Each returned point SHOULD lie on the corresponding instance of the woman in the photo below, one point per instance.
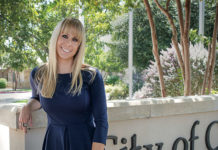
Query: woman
(71, 93)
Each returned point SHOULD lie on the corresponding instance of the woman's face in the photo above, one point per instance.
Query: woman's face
(67, 45)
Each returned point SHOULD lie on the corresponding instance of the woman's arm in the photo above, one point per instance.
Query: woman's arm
(33, 104)
(26, 113)
(99, 110)
(25, 116)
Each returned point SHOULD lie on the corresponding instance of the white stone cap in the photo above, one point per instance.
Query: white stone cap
(125, 109)
(160, 107)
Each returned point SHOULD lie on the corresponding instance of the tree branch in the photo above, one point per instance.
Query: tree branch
(160, 7)
(181, 23)
(167, 5)
(207, 70)
(187, 17)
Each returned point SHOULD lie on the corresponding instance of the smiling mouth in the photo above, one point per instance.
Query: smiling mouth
(66, 50)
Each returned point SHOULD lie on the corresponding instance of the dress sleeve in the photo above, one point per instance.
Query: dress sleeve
(99, 109)
(33, 85)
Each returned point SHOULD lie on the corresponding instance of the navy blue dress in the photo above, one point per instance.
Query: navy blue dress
(74, 122)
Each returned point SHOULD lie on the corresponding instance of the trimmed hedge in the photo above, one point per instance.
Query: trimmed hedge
(3, 83)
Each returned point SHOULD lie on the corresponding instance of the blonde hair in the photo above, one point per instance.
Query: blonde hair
(46, 75)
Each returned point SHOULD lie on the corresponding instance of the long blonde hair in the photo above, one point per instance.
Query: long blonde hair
(46, 75)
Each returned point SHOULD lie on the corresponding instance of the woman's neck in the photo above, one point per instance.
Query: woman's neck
(64, 66)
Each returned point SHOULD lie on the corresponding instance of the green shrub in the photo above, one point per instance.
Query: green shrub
(3, 83)
(112, 80)
(119, 91)
(214, 92)
(172, 74)
(108, 88)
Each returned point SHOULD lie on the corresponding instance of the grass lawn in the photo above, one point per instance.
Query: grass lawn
(27, 90)
(21, 101)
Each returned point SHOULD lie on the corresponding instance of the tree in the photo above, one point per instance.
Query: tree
(155, 48)
(17, 60)
(185, 56)
(211, 57)
(98, 15)
(184, 31)
(141, 31)
(142, 43)
(15, 53)
(174, 37)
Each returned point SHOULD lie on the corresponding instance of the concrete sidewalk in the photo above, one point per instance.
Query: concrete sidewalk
(12, 97)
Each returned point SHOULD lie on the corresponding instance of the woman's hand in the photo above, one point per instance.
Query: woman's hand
(97, 146)
(25, 118)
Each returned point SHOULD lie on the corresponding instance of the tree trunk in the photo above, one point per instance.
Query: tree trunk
(213, 52)
(184, 29)
(206, 70)
(187, 88)
(13, 80)
(16, 80)
(181, 24)
(14, 83)
(155, 47)
(174, 37)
